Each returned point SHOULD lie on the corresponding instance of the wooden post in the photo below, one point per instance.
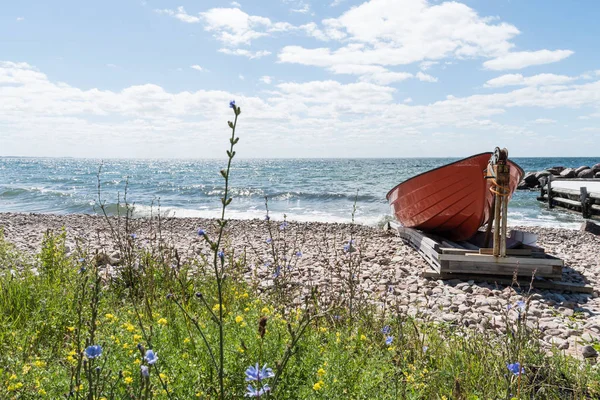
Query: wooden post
(585, 203)
(550, 205)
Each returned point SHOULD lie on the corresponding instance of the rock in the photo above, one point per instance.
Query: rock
(568, 173)
(554, 171)
(542, 174)
(586, 173)
(578, 170)
(588, 352)
(596, 167)
(597, 175)
(559, 169)
(591, 227)
(530, 179)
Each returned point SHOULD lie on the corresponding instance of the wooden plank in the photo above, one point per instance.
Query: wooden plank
(474, 268)
(574, 193)
(537, 282)
(452, 250)
(509, 252)
(485, 259)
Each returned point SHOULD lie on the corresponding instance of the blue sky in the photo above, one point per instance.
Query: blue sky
(332, 78)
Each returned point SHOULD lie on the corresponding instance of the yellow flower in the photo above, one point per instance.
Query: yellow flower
(110, 317)
(137, 338)
(246, 309)
(125, 346)
(239, 319)
(42, 392)
(363, 337)
(128, 380)
(321, 372)
(216, 308)
(26, 369)
(245, 295)
(240, 349)
(186, 340)
(265, 310)
(163, 377)
(199, 394)
(70, 328)
(129, 327)
(162, 321)
(243, 325)
(318, 385)
(137, 361)
(323, 329)
(39, 364)
(12, 377)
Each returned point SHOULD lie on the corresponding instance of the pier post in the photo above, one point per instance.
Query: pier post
(549, 190)
(585, 203)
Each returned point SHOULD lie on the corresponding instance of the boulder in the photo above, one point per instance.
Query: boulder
(523, 186)
(568, 173)
(530, 180)
(597, 175)
(596, 167)
(586, 173)
(591, 227)
(542, 174)
(578, 170)
(559, 169)
(554, 171)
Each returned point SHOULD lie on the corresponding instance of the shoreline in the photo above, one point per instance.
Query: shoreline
(390, 270)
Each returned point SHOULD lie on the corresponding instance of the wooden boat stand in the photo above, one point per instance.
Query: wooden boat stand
(515, 258)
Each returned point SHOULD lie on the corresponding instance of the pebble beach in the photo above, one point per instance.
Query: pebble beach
(388, 273)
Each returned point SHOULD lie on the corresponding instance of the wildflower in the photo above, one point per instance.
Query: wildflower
(269, 240)
(252, 392)
(109, 317)
(128, 380)
(516, 368)
(169, 296)
(151, 358)
(145, 371)
(39, 364)
(283, 226)
(162, 321)
(348, 248)
(265, 310)
(389, 340)
(129, 327)
(363, 337)
(267, 217)
(318, 385)
(81, 260)
(254, 373)
(94, 351)
(133, 236)
(220, 254)
(386, 330)
(321, 372)
(277, 272)
(239, 319)
(521, 304)
(81, 270)
(186, 340)
(216, 308)
(425, 348)
(232, 104)
(70, 328)
(201, 232)
(298, 253)
(42, 392)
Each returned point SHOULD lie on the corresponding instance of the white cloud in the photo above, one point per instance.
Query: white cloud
(245, 53)
(544, 121)
(241, 77)
(425, 77)
(19, 19)
(523, 59)
(236, 4)
(196, 67)
(535, 80)
(425, 65)
(408, 100)
(36, 113)
(336, 3)
(110, 65)
(303, 9)
(266, 79)
(180, 14)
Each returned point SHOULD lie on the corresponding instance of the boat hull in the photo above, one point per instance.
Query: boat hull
(453, 201)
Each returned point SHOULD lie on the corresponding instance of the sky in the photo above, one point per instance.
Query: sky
(328, 78)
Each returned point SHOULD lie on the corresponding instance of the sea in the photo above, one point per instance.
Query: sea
(323, 190)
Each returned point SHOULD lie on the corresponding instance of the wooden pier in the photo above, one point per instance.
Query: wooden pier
(579, 195)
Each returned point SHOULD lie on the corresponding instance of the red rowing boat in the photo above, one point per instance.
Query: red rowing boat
(453, 201)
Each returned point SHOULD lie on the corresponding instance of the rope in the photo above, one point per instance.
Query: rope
(495, 185)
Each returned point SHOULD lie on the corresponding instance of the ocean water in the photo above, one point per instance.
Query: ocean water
(304, 190)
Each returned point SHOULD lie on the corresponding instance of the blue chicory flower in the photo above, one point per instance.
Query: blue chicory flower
(145, 371)
(521, 304)
(283, 225)
(386, 330)
(255, 373)
(267, 217)
(516, 368)
(252, 392)
(298, 253)
(150, 357)
(389, 340)
(220, 254)
(277, 272)
(269, 240)
(133, 236)
(81, 270)
(201, 232)
(232, 104)
(94, 351)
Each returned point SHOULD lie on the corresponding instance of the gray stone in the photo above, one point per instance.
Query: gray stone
(578, 170)
(586, 173)
(568, 173)
(589, 352)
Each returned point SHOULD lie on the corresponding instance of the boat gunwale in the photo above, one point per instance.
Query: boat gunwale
(387, 196)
